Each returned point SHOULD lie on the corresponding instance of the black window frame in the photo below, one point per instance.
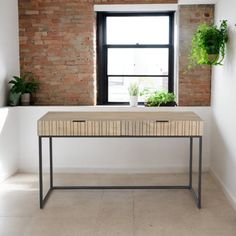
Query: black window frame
(102, 50)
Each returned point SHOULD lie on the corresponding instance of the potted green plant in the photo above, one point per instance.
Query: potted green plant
(22, 87)
(133, 93)
(208, 45)
(160, 98)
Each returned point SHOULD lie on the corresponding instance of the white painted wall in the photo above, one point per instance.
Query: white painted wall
(9, 144)
(223, 162)
(105, 155)
(9, 45)
(9, 66)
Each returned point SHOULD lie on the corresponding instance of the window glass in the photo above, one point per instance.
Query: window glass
(118, 86)
(138, 30)
(138, 61)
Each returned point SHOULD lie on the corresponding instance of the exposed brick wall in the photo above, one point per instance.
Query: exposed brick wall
(194, 85)
(58, 44)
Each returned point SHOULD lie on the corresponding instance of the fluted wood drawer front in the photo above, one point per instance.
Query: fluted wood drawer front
(161, 128)
(96, 128)
(79, 128)
(120, 128)
(120, 124)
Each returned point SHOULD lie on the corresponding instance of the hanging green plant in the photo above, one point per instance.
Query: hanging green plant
(208, 45)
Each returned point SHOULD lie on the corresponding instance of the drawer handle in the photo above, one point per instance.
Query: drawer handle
(79, 121)
(162, 121)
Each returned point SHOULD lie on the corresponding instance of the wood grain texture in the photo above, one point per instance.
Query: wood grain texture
(120, 124)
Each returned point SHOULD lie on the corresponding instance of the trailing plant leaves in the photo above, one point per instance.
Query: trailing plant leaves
(208, 40)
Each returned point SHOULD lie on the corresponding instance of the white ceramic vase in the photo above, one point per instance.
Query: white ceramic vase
(133, 101)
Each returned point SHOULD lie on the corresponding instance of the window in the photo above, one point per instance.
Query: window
(134, 47)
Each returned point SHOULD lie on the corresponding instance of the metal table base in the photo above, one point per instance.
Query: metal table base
(196, 194)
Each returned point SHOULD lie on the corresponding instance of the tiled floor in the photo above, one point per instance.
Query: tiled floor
(110, 213)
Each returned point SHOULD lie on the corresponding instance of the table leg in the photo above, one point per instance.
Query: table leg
(40, 174)
(200, 173)
(191, 163)
(42, 200)
(51, 162)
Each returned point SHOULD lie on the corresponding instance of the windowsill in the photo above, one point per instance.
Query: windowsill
(105, 108)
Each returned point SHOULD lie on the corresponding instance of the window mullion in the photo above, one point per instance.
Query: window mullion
(138, 75)
(137, 46)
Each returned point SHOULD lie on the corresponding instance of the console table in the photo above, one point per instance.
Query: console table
(120, 125)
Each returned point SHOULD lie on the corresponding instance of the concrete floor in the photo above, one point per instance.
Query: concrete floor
(110, 213)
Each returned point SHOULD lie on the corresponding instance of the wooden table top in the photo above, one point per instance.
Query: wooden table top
(94, 115)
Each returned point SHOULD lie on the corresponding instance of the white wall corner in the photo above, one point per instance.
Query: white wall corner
(9, 142)
(9, 46)
(223, 156)
(229, 196)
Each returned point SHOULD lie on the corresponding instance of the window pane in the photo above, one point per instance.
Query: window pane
(118, 86)
(141, 61)
(138, 30)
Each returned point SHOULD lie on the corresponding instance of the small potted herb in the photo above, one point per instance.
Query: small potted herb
(133, 93)
(160, 98)
(208, 45)
(22, 87)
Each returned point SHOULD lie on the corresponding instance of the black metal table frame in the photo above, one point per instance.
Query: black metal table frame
(196, 195)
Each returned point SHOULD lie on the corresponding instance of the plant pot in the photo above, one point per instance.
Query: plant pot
(168, 104)
(213, 58)
(25, 99)
(133, 101)
(14, 98)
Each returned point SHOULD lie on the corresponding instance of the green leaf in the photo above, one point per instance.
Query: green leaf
(24, 84)
(158, 98)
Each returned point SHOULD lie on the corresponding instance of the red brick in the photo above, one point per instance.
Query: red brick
(194, 85)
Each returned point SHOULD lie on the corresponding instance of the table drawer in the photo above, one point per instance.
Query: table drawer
(161, 128)
(79, 128)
